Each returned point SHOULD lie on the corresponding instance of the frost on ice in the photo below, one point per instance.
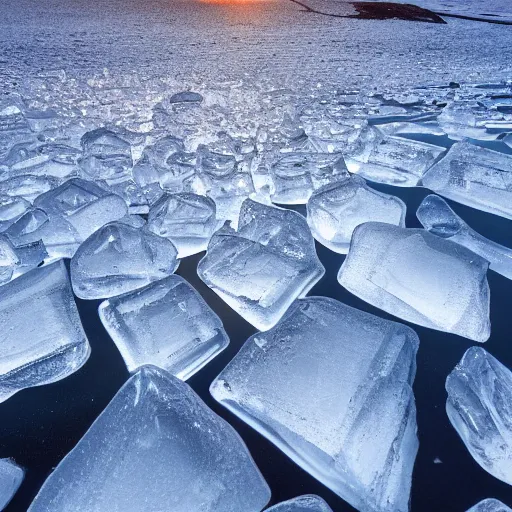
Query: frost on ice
(479, 406)
(263, 266)
(167, 324)
(475, 176)
(331, 387)
(52, 344)
(420, 278)
(156, 447)
(306, 503)
(490, 505)
(335, 210)
(187, 220)
(11, 476)
(119, 258)
(436, 216)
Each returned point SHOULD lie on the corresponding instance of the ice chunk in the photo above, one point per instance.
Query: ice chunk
(394, 160)
(490, 505)
(479, 406)
(11, 209)
(11, 476)
(296, 175)
(306, 503)
(52, 344)
(119, 258)
(15, 261)
(475, 176)
(26, 186)
(14, 128)
(438, 218)
(331, 386)
(261, 268)
(335, 210)
(166, 323)
(420, 278)
(83, 204)
(187, 220)
(156, 447)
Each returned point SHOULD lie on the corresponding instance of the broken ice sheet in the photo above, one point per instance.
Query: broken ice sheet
(263, 266)
(156, 447)
(331, 387)
(393, 160)
(306, 503)
(296, 175)
(187, 220)
(335, 210)
(420, 278)
(166, 323)
(474, 176)
(436, 216)
(490, 505)
(11, 476)
(479, 406)
(52, 344)
(119, 258)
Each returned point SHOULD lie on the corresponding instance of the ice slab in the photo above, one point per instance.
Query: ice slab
(119, 258)
(167, 324)
(187, 220)
(263, 266)
(49, 347)
(156, 447)
(420, 278)
(306, 503)
(335, 210)
(11, 476)
(479, 406)
(490, 505)
(393, 160)
(296, 175)
(475, 176)
(438, 218)
(331, 387)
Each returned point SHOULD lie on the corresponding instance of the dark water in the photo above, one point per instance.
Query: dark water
(39, 426)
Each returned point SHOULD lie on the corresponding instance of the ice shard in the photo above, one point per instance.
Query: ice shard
(11, 209)
(479, 406)
(119, 258)
(262, 267)
(335, 210)
(11, 476)
(306, 503)
(438, 218)
(156, 447)
(52, 344)
(167, 324)
(490, 505)
(187, 220)
(475, 176)
(420, 278)
(331, 387)
(15, 261)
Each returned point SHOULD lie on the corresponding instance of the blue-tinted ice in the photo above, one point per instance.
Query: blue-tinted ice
(306, 503)
(11, 476)
(490, 505)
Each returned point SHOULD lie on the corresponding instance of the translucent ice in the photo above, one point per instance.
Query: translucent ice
(156, 447)
(52, 344)
(331, 386)
(490, 505)
(475, 176)
(261, 268)
(438, 218)
(166, 323)
(306, 503)
(296, 175)
(119, 258)
(26, 186)
(479, 406)
(11, 476)
(394, 160)
(420, 278)
(335, 210)
(15, 261)
(11, 209)
(187, 220)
